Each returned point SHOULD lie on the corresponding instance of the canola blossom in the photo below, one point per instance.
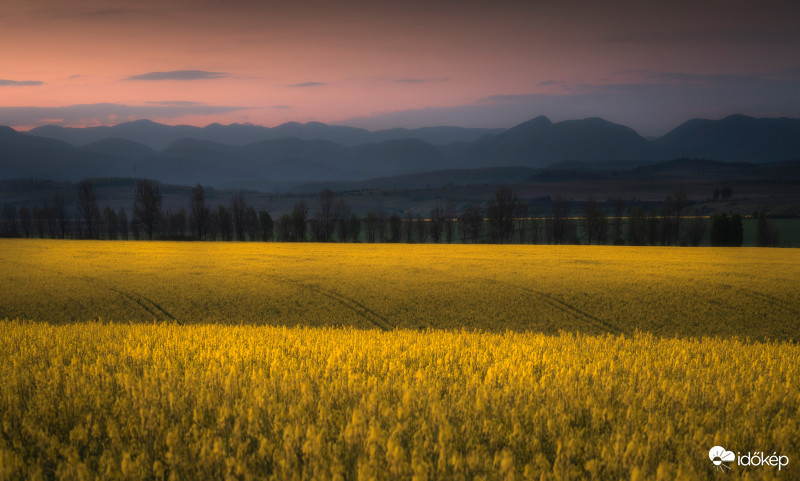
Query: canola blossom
(163, 401)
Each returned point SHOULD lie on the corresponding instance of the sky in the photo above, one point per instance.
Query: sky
(381, 64)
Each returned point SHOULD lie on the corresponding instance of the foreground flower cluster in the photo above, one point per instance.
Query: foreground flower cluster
(163, 401)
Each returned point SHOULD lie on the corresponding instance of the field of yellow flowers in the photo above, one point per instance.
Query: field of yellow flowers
(670, 291)
(274, 361)
(163, 401)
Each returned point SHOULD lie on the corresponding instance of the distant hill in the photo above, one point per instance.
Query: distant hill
(159, 136)
(121, 148)
(26, 156)
(737, 138)
(396, 156)
(294, 148)
(440, 136)
(152, 134)
(539, 142)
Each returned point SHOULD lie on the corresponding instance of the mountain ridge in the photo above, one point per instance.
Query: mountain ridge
(536, 143)
(158, 136)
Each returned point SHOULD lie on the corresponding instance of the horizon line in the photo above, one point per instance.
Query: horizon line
(17, 128)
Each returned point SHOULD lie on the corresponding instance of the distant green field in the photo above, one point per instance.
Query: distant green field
(789, 231)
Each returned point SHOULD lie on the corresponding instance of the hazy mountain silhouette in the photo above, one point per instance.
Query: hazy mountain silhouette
(159, 136)
(539, 142)
(439, 136)
(395, 156)
(23, 155)
(737, 138)
(154, 135)
(574, 146)
(305, 170)
(121, 148)
(324, 151)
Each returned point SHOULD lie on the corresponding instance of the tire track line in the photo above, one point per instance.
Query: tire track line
(132, 296)
(555, 302)
(360, 309)
(562, 306)
(771, 300)
(141, 301)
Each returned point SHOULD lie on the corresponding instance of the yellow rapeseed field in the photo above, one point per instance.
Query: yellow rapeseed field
(128, 361)
(747, 292)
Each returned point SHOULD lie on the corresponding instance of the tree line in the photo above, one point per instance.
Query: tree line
(505, 219)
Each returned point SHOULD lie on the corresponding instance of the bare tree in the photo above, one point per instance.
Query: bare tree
(594, 222)
(89, 210)
(437, 223)
(449, 224)
(637, 227)
(199, 214)
(420, 228)
(122, 220)
(667, 226)
(341, 215)
(266, 224)
(470, 223)
(112, 226)
(283, 228)
(535, 227)
(178, 223)
(559, 221)
(408, 227)
(381, 224)
(51, 223)
(135, 229)
(147, 206)
(521, 214)
(370, 226)
(238, 209)
(677, 207)
(619, 213)
(40, 221)
(165, 225)
(653, 227)
(224, 223)
(696, 230)
(395, 228)
(60, 215)
(325, 220)
(25, 221)
(354, 227)
(77, 228)
(253, 226)
(299, 218)
(501, 213)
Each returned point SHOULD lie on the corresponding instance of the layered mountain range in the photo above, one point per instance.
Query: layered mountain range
(294, 152)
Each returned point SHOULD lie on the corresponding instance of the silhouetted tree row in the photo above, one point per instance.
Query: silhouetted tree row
(767, 234)
(505, 219)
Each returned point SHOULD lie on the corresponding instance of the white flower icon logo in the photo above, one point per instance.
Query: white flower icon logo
(719, 456)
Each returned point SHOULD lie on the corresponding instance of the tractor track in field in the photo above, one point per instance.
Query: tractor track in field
(353, 305)
(153, 309)
(562, 306)
(156, 310)
(771, 300)
(142, 301)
